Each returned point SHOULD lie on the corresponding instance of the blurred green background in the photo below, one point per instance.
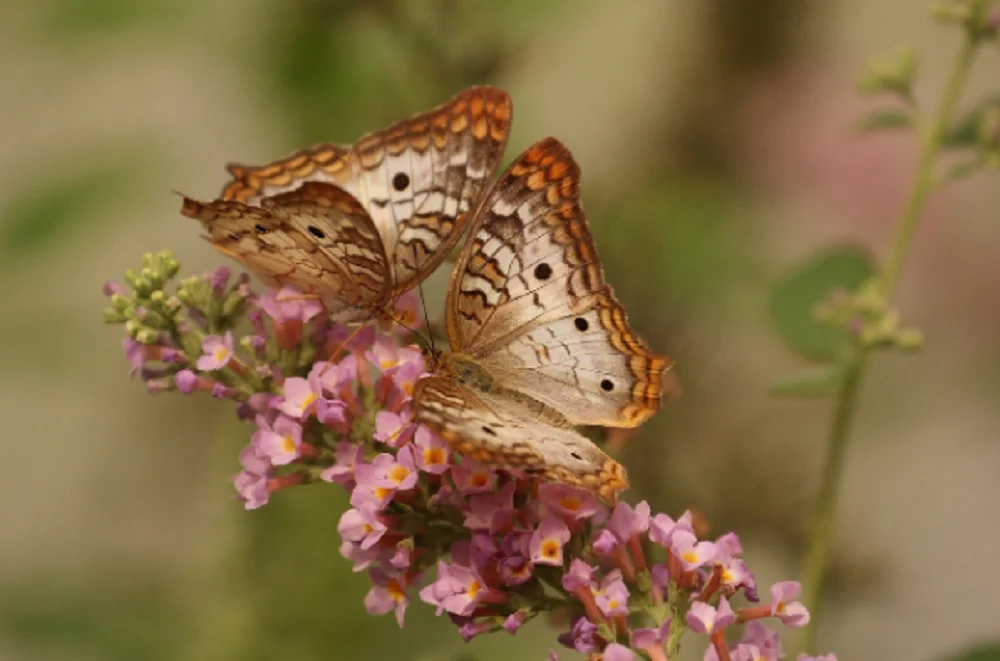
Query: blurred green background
(715, 143)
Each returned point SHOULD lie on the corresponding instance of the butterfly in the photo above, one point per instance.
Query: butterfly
(358, 225)
(539, 343)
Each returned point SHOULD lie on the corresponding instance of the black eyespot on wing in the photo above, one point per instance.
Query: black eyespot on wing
(260, 228)
(581, 324)
(607, 385)
(543, 271)
(576, 455)
(489, 431)
(317, 232)
(400, 181)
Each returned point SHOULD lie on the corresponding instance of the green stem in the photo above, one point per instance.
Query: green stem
(824, 515)
(825, 512)
(924, 181)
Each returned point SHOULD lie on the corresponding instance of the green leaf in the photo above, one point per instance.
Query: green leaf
(981, 652)
(885, 119)
(822, 383)
(794, 299)
(964, 132)
(32, 220)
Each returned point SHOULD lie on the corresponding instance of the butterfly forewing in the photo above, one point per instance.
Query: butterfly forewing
(494, 431)
(316, 237)
(528, 301)
(418, 179)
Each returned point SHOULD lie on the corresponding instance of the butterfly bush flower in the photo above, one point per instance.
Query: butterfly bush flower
(489, 547)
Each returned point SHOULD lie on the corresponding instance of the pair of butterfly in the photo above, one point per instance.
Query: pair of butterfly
(539, 342)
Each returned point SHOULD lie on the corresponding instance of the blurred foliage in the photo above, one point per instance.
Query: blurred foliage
(982, 652)
(70, 19)
(101, 620)
(345, 67)
(53, 209)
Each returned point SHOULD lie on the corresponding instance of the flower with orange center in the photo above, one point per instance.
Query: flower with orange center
(568, 501)
(546, 543)
(300, 398)
(432, 453)
(217, 352)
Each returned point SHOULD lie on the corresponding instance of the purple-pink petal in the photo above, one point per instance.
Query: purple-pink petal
(578, 576)
(617, 652)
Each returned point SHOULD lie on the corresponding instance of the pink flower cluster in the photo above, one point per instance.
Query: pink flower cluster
(489, 547)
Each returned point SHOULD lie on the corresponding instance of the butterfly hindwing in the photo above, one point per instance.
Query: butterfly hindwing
(494, 431)
(316, 237)
(529, 302)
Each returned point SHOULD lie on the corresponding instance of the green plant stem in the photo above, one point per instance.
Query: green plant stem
(824, 514)
(931, 138)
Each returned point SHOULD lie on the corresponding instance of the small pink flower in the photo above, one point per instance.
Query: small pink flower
(333, 377)
(491, 512)
(579, 575)
(581, 636)
(457, 589)
(662, 527)
(406, 374)
(566, 500)
(514, 622)
(347, 457)
(334, 414)
(605, 542)
(280, 442)
(393, 429)
(360, 559)
(690, 551)
(217, 352)
(431, 451)
(612, 595)
(402, 558)
(703, 618)
(188, 382)
(386, 354)
(251, 489)
(756, 634)
(361, 526)
(253, 460)
(643, 639)
(288, 305)
(546, 546)
(471, 478)
(791, 613)
(301, 397)
(369, 487)
(397, 473)
(626, 522)
(387, 594)
(515, 570)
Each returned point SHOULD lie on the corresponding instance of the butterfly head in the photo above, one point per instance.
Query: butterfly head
(434, 359)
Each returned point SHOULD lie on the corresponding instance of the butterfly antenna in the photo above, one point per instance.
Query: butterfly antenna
(427, 323)
(399, 323)
(423, 304)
